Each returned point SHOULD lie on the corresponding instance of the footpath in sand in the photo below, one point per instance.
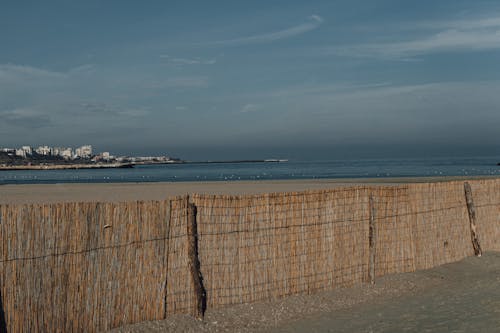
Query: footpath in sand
(457, 297)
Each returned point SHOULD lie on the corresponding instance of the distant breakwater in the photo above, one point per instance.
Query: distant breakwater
(236, 161)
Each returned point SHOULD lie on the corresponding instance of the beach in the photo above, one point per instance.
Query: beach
(119, 192)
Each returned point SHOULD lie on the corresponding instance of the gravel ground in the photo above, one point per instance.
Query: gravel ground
(458, 297)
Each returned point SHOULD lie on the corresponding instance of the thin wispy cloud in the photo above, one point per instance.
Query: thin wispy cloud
(13, 71)
(385, 100)
(186, 61)
(83, 69)
(181, 82)
(405, 105)
(249, 108)
(476, 23)
(462, 35)
(103, 109)
(379, 90)
(318, 89)
(37, 98)
(312, 22)
(25, 118)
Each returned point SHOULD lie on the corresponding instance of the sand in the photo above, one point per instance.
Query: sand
(116, 192)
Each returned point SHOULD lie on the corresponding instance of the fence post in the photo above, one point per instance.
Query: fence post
(165, 257)
(472, 219)
(3, 322)
(371, 241)
(194, 263)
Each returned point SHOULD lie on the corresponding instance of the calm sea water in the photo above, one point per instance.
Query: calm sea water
(264, 171)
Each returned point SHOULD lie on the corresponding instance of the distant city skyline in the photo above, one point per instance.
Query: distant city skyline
(28, 152)
(227, 79)
(65, 152)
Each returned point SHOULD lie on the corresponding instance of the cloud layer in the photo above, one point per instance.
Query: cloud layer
(434, 37)
(253, 76)
(313, 22)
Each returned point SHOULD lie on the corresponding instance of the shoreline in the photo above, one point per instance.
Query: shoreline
(73, 166)
(65, 166)
(119, 192)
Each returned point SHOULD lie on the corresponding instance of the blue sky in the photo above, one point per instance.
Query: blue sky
(239, 78)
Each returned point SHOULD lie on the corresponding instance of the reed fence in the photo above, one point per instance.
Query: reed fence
(94, 266)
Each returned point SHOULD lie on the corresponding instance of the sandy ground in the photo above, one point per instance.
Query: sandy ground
(105, 192)
(457, 297)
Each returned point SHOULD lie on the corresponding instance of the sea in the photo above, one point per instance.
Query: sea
(319, 169)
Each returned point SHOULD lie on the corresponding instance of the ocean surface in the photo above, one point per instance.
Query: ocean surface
(362, 168)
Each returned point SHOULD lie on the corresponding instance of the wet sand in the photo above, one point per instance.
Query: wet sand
(457, 297)
(114, 192)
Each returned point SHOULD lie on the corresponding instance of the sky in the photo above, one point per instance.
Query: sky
(252, 79)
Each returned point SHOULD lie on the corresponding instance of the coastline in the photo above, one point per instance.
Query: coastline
(117, 192)
(66, 166)
(117, 165)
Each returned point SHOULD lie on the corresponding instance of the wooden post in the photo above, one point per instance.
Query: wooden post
(3, 322)
(371, 241)
(472, 219)
(194, 263)
(166, 256)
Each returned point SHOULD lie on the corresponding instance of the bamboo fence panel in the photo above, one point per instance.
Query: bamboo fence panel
(272, 245)
(395, 245)
(486, 196)
(94, 266)
(180, 296)
(82, 266)
(441, 229)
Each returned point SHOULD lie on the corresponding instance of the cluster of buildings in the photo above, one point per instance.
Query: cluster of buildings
(68, 153)
(84, 152)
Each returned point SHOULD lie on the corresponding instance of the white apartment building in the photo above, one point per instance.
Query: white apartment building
(20, 152)
(66, 153)
(84, 151)
(44, 150)
(27, 149)
(24, 151)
